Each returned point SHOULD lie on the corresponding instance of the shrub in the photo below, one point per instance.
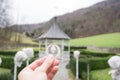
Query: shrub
(96, 74)
(95, 54)
(8, 53)
(22, 66)
(6, 76)
(7, 62)
(95, 64)
(98, 63)
(12, 53)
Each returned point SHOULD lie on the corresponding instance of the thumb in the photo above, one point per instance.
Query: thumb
(46, 64)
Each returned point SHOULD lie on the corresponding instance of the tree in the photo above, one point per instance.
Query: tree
(119, 16)
(69, 32)
(5, 19)
(4, 13)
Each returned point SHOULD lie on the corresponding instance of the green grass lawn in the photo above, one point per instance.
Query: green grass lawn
(101, 74)
(3, 70)
(104, 40)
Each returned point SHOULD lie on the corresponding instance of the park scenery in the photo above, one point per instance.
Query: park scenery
(86, 41)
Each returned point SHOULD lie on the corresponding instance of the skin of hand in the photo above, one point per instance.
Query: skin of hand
(41, 69)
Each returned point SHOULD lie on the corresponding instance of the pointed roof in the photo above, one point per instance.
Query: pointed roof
(54, 32)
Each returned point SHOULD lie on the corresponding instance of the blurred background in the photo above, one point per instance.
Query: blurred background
(93, 25)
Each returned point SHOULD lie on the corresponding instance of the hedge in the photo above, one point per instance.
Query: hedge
(100, 74)
(6, 76)
(12, 53)
(7, 62)
(8, 53)
(95, 64)
(22, 66)
(75, 47)
(95, 54)
(98, 63)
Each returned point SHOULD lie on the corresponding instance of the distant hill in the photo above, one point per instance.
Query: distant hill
(103, 17)
(26, 27)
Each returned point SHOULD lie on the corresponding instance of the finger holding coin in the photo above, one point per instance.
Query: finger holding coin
(54, 50)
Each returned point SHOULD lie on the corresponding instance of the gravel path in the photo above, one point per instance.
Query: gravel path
(62, 73)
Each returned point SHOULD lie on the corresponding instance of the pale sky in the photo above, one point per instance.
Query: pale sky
(36, 11)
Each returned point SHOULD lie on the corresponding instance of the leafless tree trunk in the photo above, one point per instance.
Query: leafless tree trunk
(4, 17)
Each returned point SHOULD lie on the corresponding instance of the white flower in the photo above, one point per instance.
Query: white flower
(19, 58)
(0, 61)
(115, 74)
(29, 52)
(114, 62)
(76, 54)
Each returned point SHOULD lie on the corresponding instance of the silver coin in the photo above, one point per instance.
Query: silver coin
(54, 50)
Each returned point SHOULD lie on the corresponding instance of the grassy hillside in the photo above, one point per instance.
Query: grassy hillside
(23, 39)
(11, 41)
(105, 40)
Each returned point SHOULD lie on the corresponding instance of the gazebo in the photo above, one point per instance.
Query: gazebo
(55, 36)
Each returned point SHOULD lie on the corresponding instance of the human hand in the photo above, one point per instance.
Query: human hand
(41, 69)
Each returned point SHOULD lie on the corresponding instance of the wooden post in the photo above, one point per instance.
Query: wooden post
(69, 49)
(62, 49)
(88, 71)
(46, 46)
(39, 49)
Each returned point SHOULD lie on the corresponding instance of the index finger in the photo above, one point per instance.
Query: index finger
(36, 63)
(47, 63)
